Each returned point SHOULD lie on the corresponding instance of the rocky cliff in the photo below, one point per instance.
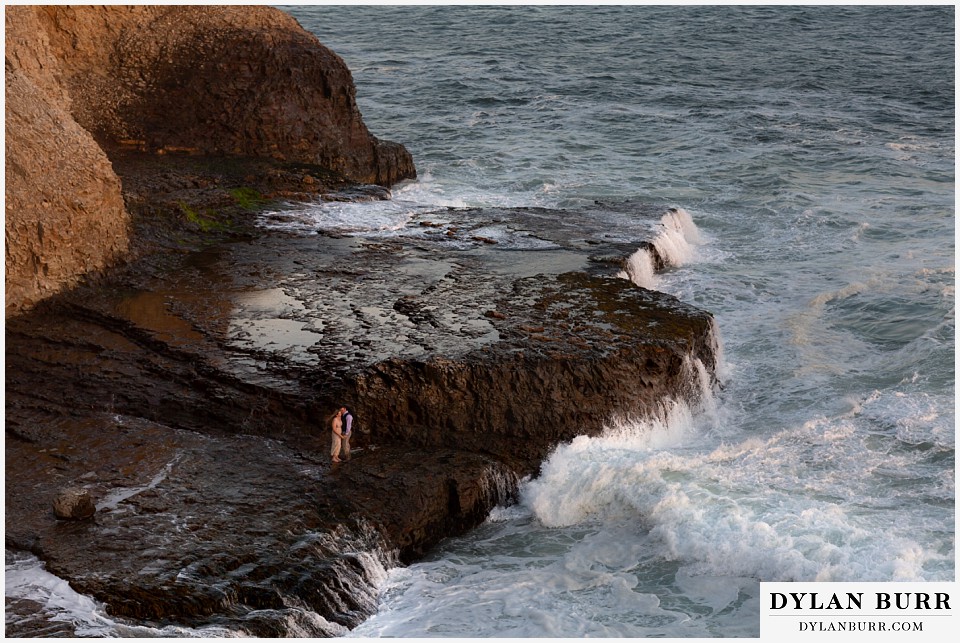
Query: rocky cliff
(64, 211)
(87, 82)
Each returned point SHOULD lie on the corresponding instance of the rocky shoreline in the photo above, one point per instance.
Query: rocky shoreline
(184, 382)
(187, 393)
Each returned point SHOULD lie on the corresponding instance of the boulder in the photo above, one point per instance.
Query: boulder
(74, 503)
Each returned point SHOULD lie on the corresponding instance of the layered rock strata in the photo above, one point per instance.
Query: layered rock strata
(85, 82)
(190, 399)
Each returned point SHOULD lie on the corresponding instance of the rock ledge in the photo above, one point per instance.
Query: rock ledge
(189, 394)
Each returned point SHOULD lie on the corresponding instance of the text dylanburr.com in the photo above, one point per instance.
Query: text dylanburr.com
(850, 610)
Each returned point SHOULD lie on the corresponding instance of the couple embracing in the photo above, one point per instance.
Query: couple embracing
(341, 423)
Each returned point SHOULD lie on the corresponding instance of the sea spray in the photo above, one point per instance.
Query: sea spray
(500, 485)
(674, 245)
(584, 477)
(580, 478)
(742, 509)
(677, 241)
(639, 268)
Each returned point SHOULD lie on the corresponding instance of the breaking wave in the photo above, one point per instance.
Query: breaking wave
(675, 244)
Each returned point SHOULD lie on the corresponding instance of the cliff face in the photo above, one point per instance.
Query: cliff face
(227, 81)
(243, 81)
(64, 210)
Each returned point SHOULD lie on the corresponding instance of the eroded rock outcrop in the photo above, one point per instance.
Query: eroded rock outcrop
(190, 399)
(188, 394)
(85, 82)
(246, 81)
(575, 351)
(64, 210)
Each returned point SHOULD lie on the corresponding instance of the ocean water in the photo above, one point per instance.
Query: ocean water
(813, 150)
(809, 153)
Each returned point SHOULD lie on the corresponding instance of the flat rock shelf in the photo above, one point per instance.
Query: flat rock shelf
(189, 396)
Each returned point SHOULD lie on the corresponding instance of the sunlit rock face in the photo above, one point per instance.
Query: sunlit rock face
(86, 83)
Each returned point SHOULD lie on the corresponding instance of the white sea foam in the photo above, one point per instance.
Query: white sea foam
(342, 218)
(519, 579)
(794, 506)
(584, 461)
(676, 240)
(56, 602)
(393, 215)
(640, 269)
(676, 243)
(915, 418)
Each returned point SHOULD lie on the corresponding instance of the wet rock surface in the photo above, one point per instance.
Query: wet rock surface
(188, 395)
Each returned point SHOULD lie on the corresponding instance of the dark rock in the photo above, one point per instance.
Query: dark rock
(74, 503)
(205, 378)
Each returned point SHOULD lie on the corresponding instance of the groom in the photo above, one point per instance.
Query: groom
(346, 417)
